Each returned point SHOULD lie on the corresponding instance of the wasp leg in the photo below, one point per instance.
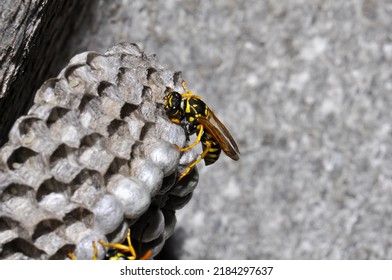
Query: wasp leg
(202, 156)
(122, 247)
(95, 256)
(184, 86)
(147, 255)
(71, 256)
(197, 141)
(188, 93)
(175, 120)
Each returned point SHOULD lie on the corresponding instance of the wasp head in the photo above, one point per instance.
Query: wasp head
(173, 105)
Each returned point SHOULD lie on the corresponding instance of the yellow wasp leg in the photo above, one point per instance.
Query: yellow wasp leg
(95, 256)
(202, 156)
(185, 87)
(122, 247)
(174, 120)
(189, 95)
(73, 257)
(188, 92)
(197, 141)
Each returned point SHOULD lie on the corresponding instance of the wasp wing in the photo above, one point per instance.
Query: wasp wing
(224, 139)
(225, 131)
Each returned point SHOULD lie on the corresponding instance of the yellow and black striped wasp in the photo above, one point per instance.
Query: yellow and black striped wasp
(117, 251)
(200, 119)
(123, 251)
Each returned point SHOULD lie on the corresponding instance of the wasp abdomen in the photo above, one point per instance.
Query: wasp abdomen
(214, 150)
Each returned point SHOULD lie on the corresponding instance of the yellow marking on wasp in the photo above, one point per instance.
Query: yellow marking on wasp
(188, 108)
(211, 155)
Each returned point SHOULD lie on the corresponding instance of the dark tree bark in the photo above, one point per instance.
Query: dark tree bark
(33, 48)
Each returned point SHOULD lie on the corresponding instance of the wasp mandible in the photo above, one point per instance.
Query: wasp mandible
(200, 119)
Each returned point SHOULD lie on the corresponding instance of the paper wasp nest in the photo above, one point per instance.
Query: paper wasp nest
(93, 156)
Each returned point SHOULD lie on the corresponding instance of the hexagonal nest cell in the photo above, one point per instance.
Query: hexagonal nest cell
(93, 157)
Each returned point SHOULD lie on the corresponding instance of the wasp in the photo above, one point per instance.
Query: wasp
(199, 118)
(117, 251)
(123, 251)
